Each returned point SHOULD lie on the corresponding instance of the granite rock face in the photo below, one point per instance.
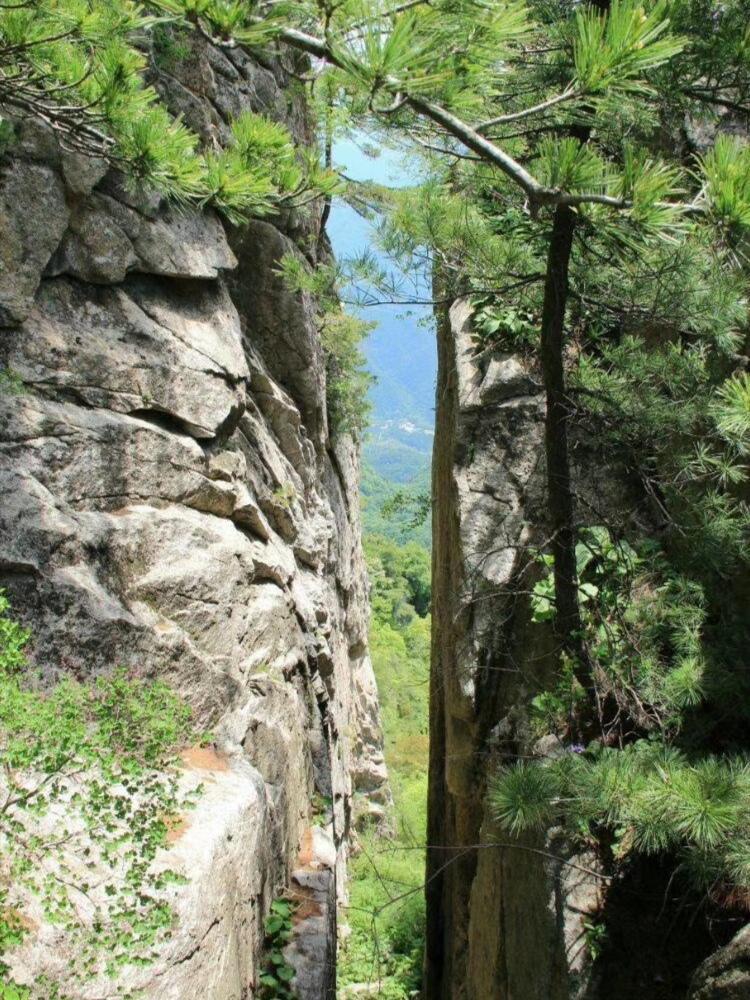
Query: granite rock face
(505, 922)
(172, 500)
(725, 975)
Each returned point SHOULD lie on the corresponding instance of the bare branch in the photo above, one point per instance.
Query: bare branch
(567, 95)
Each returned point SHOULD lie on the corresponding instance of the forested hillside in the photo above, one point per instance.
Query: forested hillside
(386, 905)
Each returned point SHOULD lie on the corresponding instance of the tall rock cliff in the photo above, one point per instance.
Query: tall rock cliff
(173, 500)
(502, 923)
(510, 919)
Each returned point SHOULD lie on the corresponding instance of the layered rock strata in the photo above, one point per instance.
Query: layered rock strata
(173, 500)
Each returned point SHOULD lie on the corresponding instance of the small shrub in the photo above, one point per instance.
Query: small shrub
(348, 382)
(277, 974)
(285, 495)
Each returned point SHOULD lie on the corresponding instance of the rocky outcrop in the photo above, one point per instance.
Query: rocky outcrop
(173, 501)
(506, 918)
(725, 975)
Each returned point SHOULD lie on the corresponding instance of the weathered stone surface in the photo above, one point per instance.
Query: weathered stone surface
(33, 217)
(171, 501)
(81, 173)
(504, 922)
(96, 246)
(283, 323)
(147, 348)
(312, 952)
(726, 974)
(183, 245)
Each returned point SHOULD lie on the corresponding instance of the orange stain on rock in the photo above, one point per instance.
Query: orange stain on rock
(306, 849)
(176, 828)
(306, 904)
(204, 759)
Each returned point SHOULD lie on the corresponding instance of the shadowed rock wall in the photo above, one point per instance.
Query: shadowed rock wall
(507, 918)
(172, 499)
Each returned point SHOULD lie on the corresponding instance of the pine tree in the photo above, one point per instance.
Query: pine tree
(565, 153)
(79, 66)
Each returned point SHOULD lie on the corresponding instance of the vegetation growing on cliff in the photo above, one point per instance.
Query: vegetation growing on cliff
(660, 677)
(341, 335)
(89, 793)
(81, 67)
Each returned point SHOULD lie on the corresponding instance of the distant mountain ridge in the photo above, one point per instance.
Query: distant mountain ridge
(401, 351)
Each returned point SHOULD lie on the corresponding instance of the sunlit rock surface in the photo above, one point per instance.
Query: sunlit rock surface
(172, 500)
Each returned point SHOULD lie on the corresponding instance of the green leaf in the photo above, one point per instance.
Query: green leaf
(273, 924)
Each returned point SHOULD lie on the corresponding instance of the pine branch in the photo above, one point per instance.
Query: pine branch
(470, 137)
(570, 94)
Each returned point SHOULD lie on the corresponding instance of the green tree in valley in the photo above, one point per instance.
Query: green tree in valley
(384, 948)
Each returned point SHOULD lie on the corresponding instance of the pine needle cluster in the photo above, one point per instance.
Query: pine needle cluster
(650, 798)
(80, 66)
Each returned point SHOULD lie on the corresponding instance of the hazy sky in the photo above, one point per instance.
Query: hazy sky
(400, 352)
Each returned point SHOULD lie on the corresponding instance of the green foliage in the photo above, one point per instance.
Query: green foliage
(653, 188)
(415, 505)
(651, 797)
(399, 580)
(284, 495)
(570, 165)
(82, 65)
(619, 50)
(680, 424)
(11, 384)
(524, 797)
(382, 512)
(386, 912)
(89, 787)
(726, 167)
(347, 379)
(401, 53)
(496, 323)
(277, 975)
(341, 334)
(385, 945)
(644, 627)
(171, 46)
(596, 937)
(731, 411)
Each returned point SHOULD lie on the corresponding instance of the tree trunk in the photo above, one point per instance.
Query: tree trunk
(567, 622)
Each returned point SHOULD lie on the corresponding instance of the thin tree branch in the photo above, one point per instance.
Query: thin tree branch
(567, 95)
